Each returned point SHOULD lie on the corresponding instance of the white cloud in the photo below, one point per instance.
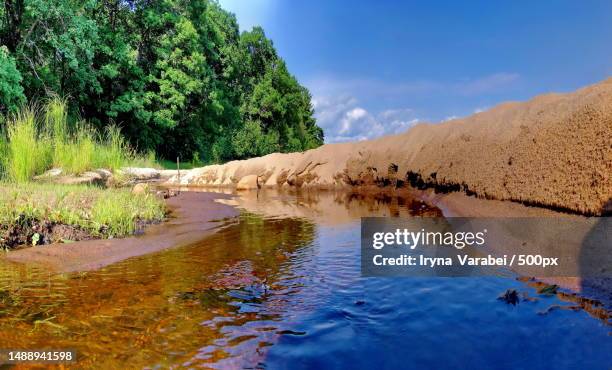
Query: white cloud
(341, 109)
(342, 119)
(352, 116)
(450, 118)
(329, 110)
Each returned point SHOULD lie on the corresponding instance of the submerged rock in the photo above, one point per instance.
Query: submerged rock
(548, 289)
(510, 296)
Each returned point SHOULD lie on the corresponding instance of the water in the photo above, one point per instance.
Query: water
(280, 288)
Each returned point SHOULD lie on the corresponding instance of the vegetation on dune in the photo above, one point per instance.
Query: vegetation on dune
(99, 212)
(177, 76)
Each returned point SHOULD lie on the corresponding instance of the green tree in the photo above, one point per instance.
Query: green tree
(280, 104)
(176, 75)
(56, 47)
(11, 91)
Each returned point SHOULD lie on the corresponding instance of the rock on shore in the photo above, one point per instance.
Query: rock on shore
(553, 151)
(104, 177)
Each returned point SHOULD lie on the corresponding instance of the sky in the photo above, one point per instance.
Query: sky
(378, 67)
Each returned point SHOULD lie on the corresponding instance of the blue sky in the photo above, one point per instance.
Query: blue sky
(378, 67)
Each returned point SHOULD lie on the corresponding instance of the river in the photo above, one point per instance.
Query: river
(280, 287)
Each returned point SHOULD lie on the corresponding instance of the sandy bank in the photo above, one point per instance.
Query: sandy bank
(553, 151)
(193, 216)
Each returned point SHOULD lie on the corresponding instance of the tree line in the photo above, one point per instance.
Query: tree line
(177, 76)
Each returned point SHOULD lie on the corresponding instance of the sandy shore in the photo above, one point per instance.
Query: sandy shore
(193, 217)
(553, 151)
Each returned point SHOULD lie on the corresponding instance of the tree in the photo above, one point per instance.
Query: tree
(176, 75)
(56, 47)
(280, 104)
(11, 91)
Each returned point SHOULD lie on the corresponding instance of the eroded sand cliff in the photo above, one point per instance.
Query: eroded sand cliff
(554, 150)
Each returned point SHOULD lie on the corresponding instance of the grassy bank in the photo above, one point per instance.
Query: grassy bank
(38, 213)
(37, 139)
(40, 138)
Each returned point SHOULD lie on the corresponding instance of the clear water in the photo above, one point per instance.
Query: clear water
(280, 288)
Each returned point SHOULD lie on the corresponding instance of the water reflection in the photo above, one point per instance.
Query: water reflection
(281, 286)
(167, 308)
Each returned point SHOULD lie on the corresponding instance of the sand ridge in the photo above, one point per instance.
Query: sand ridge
(554, 151)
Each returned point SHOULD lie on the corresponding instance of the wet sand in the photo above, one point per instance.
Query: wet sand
(193, 216)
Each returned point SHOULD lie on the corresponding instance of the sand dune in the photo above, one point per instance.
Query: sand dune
(553, 151)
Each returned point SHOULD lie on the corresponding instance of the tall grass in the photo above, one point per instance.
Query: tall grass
(119, 213)
(3, 154)
(75, 155)
(114, 152)
(28, 151)
(37, 140)
(56, 122)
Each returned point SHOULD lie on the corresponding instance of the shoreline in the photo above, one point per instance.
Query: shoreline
(193, 216)
(551, 151)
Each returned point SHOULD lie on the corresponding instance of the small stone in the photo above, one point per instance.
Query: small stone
(511, 296)
(140, 189)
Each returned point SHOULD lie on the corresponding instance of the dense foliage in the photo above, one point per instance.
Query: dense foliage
(176, 75)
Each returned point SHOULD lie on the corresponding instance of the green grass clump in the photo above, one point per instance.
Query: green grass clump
(37, 140)
(113, 152)
(73, 150)
(77, 155)
(28, 150)
(3, 155)
(101, 212)
(119, 213)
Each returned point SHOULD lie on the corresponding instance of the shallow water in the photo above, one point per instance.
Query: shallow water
(280, 287)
